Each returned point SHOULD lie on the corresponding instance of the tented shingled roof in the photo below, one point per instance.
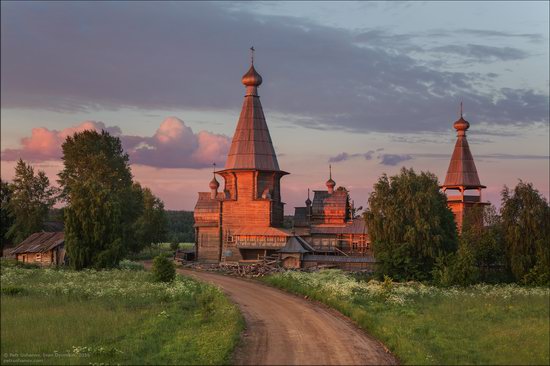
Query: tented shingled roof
(462, 169)
(251, 147)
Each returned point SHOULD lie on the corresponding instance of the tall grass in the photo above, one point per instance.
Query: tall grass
(483, 324)
(115, 316)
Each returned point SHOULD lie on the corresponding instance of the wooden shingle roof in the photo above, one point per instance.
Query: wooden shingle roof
(357, 226)
(296, 244)
(323, 200)
(251, 147)
(40, 242)
(462, 170)
(260, 231)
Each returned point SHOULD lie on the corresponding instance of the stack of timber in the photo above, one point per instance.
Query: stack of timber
(240, 269)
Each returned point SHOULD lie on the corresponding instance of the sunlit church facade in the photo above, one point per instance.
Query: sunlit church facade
(244, 219)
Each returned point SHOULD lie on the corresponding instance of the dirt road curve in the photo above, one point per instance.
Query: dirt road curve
(283, 329)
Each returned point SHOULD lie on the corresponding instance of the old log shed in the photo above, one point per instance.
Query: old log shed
(44, 248)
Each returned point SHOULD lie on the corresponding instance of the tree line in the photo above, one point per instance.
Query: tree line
(107, 214)
(414, 234)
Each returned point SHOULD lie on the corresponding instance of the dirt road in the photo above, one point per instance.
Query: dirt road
(283, 329)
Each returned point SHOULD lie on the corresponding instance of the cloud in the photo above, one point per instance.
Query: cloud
(482, 53)
(393, 159)
(345, 156)
(45, 144)
(190, 55)
(532, 37)
(174, 145)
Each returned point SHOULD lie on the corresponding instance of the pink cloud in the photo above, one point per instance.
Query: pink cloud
(174, 145)
(45, 144)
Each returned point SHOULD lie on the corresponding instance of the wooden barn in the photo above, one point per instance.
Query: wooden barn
(44, 248)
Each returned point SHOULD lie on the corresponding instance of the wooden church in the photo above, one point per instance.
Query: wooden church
(243, 221)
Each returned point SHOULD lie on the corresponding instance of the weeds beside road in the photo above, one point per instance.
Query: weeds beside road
(113, 316)
(482, 324)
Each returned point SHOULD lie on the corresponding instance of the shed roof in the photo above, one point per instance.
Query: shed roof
(357, 226)
(260, 231)
(40, 242)
(296, 244)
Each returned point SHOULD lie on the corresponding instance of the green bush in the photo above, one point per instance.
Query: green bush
(163, 269)
(131, 265)
(456, 269)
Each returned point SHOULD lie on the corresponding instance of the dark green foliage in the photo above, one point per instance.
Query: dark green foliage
(30, 200)
(526, 224)
(480, 256)
(12, 290)
(102, 205)
(180, 226)
(409, 224)
(8, 262)
(457, 268)
(130, 265)
(151, 226)
(163, 269)
(5, 219)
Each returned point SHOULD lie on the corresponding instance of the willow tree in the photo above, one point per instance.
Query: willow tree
(101, 206)
(409, 224)
(526, 223)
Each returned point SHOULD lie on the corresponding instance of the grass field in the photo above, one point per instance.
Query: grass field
(116, 317)
(483, 324)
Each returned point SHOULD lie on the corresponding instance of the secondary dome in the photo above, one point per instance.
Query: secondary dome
(214, 184)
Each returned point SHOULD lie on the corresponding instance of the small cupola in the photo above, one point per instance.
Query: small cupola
(214, 184)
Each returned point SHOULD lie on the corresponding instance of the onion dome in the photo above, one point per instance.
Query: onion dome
(461, 125)
(214, 184)
(252, 78)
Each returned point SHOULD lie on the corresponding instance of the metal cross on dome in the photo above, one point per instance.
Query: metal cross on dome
(252, 49)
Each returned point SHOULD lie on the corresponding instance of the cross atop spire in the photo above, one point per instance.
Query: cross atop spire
(252, 49)
(308, 201)
(214, 168)
(461, 109)
(330, 183)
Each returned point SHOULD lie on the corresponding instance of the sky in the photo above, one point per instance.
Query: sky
(368, 87)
